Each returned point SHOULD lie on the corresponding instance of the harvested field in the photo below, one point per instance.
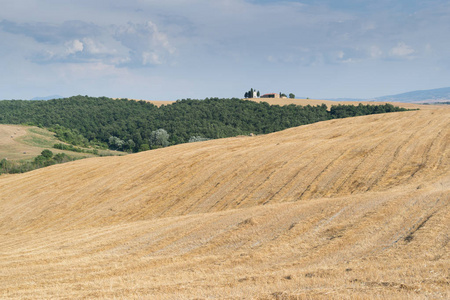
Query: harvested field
(329, 103)
(344, 208)
(10, 147)
(155, 102)
(303, 102)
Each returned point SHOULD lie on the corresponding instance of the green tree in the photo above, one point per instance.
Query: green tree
(47, 154)
(129, 145)
(115, 143)
(5, 166)
(60, 158)
(292, 96)
(144, 147)
(257, 94)
(159, 138)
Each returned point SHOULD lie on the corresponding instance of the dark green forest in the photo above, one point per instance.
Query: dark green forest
(134, 126)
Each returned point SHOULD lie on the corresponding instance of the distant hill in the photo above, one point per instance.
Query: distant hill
(421, 96)
(48, 97)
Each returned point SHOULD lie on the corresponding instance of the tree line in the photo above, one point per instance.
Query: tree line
(134, 126)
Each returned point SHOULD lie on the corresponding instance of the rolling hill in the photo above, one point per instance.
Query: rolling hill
(350, 207)
(19, 142)
(21, 147)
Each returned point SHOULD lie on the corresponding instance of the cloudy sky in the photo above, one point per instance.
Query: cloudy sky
(174, 49)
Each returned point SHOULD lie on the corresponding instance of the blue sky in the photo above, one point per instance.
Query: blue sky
(174, 49)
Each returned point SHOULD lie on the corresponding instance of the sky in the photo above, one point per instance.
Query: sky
(178, 49)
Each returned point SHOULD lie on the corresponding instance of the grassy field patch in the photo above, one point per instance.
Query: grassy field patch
(24, 143)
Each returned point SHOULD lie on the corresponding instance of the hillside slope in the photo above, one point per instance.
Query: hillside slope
(19, 142)
(345, 207)
(327, 159)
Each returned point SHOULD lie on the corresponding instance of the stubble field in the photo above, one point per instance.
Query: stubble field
(349, 208)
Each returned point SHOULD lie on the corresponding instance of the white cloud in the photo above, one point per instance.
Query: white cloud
(151, 58)
(96, 47)
(402, 51)
(237, 37)
(146, 43)
(375, 52)
(74, 46)
(132, 44)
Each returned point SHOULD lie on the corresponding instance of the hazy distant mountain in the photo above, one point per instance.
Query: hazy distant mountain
(48, 97)
(422, 96)
(434, 95)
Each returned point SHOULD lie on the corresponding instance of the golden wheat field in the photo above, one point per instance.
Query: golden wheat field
(352, 208)
(329, 103)
(154, 102)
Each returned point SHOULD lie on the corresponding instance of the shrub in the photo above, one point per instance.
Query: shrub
(47, 154)
(197, 138)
